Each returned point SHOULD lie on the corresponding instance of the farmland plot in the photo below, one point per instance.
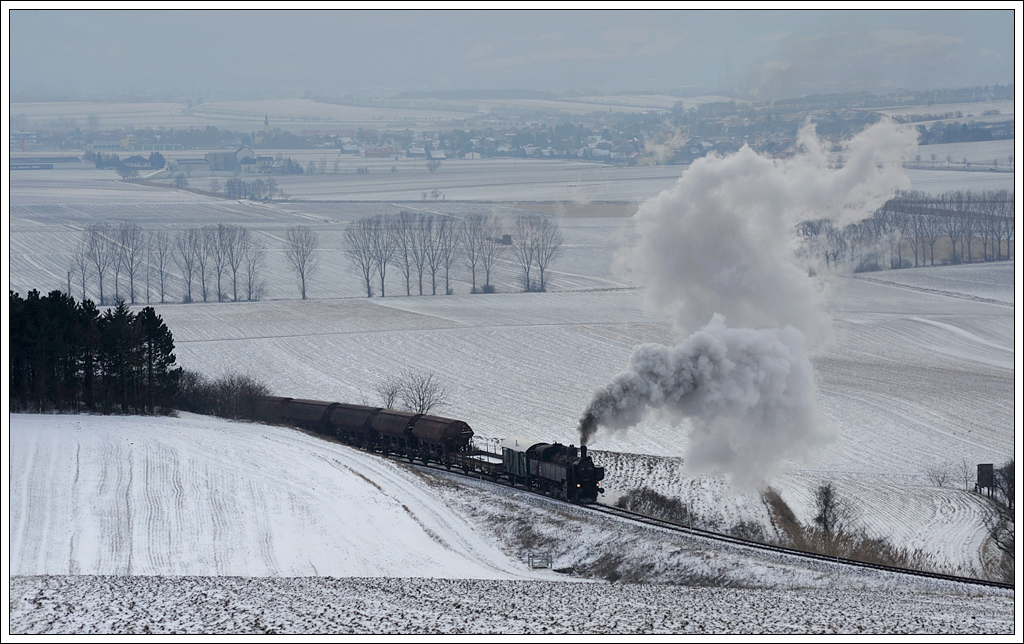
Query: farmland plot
(911, 380)
(980, 153)
(939, 181)
(205, 605)
(197, 496)
(919, 372)
(969, 110)
(294, 115)
(43, 235)
(202, 497)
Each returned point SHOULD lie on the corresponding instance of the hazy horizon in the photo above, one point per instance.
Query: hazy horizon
(252, 54)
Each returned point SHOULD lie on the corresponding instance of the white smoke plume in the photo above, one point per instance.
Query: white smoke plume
(749, 394)
(721, 240)
(720, 246)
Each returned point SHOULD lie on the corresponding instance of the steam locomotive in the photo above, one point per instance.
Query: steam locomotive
(554, 469)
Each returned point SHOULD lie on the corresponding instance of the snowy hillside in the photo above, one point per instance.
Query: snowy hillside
(914, 375)
(918, 373)
(98, 495)
(130, 525)
(912, 379)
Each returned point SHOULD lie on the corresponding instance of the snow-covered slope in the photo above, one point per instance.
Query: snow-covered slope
(94, 495)
(141, 525)
(912, 379)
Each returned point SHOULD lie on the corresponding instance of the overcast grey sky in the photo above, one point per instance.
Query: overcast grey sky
(284, 53)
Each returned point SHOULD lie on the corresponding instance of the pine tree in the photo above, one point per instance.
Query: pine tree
(160, 377)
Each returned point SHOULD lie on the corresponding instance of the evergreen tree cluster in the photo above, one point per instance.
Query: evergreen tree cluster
(68, 356)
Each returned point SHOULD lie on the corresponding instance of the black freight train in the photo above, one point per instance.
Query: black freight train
(554, 469)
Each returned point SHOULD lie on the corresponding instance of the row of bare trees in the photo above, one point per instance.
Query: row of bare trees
(208, 258)
(422, 244)
(536, 243)
(224, 262)
(915, 223)
(106, 248)
(425, 247)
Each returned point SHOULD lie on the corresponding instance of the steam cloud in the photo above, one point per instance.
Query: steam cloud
(719, 247)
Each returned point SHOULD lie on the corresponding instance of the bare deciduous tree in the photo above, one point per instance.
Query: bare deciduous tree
(423, 393)
(491, 250)
(430, 247)
(412, 391)
(131, 245)
(160, 257)
(80, 262)
(388, 390)
(548, 241)
(253, 252)
(1000, 521)
(966, 473)
(938, 474)
(301, 250)
(421, 247)
(359, 249)
(472, 235)
(447, 247)
(832, 513)
(205, 240)
(405, 241)
(382, 246)
(100, 251)
(523, 248)
(117, 263)
(235, 240)
(186, 249)
(536, 242)
(218, 242)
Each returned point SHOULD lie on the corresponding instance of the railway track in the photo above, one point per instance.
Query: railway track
(722, 538)
(675, 527)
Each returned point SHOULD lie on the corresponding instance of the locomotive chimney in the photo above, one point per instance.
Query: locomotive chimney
(583, 451)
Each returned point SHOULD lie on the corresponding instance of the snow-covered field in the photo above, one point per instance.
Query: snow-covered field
(969, 111)
(143, 525)
(297, 114)
(919, 372)
(196, 496)
(293, 115)
(205, 605)
(939, 181)
(979, 153)
(912, 379)
(981, 282)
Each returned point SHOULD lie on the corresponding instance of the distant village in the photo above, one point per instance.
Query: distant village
(657, 137)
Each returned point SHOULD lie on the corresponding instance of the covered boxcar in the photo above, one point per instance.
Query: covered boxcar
(353, 424)
(395, 429)
(441, 438)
